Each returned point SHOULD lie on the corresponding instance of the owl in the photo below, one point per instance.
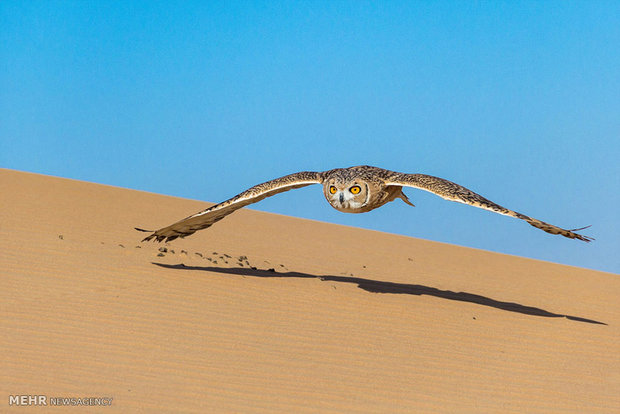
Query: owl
(350, 190)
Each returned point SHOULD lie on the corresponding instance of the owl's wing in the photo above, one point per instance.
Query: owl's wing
(208, 217)
(454, 192)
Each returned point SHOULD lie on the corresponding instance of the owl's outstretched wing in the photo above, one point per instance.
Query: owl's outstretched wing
(208, 217)
(454, 192)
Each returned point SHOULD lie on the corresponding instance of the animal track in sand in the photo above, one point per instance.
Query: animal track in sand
(217, 258)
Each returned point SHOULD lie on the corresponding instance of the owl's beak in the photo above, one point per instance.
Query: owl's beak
(341, 198)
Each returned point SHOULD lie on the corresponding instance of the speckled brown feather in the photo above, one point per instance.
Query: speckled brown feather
(206, 218)
(454, 192)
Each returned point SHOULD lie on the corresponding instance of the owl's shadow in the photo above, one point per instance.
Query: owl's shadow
(377, 286)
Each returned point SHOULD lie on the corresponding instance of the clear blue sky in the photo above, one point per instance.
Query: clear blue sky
(519, 101)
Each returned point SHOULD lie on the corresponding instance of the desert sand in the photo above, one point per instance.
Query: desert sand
(269, 313)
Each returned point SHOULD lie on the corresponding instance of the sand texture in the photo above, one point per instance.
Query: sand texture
(268, 313)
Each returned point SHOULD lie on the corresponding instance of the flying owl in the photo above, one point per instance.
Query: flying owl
(350, 190)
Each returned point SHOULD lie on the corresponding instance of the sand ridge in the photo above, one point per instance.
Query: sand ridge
(268, 313)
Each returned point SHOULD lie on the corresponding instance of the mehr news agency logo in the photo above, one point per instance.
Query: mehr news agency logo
(44, 400)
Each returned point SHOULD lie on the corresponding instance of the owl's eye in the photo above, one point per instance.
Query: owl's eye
(332, 189)
(355, 189)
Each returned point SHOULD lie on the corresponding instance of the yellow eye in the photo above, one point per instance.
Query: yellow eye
(332, 189)
(355, 189)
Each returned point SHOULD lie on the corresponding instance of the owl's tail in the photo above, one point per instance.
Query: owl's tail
(403, 197)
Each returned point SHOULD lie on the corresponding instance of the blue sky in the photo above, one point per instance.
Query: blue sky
(519, 101)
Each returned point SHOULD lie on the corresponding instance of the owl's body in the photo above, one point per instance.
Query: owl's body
(373, 191)
(350, 190)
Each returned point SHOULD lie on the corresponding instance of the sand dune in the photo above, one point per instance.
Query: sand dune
(268, 313)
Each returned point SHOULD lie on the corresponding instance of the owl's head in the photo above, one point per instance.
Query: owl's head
(350, 196)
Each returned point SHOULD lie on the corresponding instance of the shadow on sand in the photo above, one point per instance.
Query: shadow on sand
(376, 286)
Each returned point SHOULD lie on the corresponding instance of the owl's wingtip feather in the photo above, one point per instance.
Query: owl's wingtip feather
(586, 239)
(154, 235)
